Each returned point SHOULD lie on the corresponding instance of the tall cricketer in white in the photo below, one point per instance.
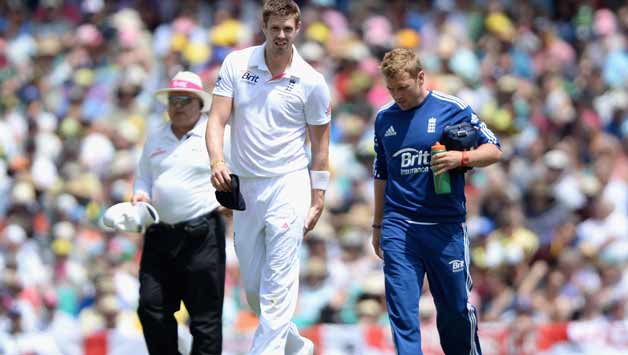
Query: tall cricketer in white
(273, 99)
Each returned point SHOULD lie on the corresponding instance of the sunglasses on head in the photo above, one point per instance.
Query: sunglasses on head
(179, 100)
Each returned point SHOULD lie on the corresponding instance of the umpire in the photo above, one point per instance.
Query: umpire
(183, 258)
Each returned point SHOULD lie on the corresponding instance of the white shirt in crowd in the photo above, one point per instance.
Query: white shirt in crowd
(270, 115)
(176, 173)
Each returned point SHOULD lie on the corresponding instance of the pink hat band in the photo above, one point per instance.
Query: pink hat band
(183, 84)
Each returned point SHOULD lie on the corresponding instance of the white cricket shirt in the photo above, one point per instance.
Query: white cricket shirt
(269, 118)
(176, 174)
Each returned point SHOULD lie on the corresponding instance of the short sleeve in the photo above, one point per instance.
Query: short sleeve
(225, 79)
(379, 163)
(468, 115)
(317, 105)
(486, 135)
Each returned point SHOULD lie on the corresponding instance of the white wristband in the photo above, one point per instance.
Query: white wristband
(320, 179)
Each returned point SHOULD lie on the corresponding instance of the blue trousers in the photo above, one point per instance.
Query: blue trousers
(441, 251)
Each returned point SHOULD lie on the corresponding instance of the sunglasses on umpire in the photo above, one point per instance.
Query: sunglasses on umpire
(180, 100)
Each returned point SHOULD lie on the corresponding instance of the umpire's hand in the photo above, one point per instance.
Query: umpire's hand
(220, 176)
(139, 197)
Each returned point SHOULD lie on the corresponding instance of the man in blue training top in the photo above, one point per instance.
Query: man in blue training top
(415, 230)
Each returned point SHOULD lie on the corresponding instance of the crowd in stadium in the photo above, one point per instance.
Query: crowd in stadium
(548, 224)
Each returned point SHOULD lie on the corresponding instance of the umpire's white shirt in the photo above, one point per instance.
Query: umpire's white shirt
(268, 123)
(176, 174)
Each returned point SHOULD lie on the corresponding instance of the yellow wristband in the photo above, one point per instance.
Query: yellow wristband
(214, 163)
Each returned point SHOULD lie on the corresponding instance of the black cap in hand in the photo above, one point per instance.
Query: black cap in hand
(232, 199)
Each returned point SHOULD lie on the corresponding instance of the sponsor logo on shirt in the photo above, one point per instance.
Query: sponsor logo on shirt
(456, 265)
(431, 125)
(390, 132)
(413, 161)
(250, 78)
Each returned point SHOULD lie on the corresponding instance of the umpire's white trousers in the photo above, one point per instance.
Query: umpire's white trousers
(267, 236)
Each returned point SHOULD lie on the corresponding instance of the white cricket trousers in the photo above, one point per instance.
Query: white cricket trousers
(268, 235)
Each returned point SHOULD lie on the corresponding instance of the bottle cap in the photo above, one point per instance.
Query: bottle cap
(438, 146)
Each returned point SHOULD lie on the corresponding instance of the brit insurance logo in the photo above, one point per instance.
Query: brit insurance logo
(413, 161)
(250, 78)
(456, 265)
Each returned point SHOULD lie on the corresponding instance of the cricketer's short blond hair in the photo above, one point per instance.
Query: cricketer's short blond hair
(281, 8)
(400, 60)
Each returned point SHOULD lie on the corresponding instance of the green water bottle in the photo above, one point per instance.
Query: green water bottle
(442, 185)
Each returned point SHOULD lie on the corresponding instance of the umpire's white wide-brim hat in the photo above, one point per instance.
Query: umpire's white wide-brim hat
(188, 82)
(128, 217)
